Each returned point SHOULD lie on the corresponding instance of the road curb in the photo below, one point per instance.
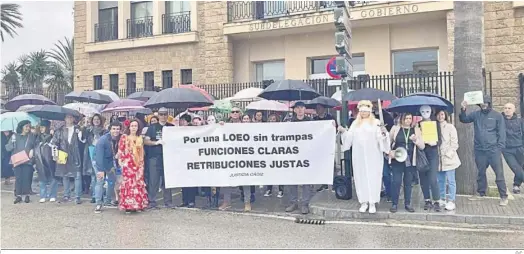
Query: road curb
(344, 214)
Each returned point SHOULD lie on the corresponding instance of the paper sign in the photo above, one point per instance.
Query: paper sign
(429, 131)
(474, 98)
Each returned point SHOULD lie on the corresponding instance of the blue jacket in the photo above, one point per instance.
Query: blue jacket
(103, 154)
(490, 129)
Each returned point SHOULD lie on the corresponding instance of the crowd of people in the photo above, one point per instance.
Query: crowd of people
(120, 163)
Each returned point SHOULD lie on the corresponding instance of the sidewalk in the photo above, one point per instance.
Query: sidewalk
(485, 211)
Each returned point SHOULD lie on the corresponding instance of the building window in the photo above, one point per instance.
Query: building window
(167, 79)
(359, 64)
(177, 18)
(186, 76)
(97, 82)
(318, 66)
(107, 27)
(415, 61)
(274, 70)
(130, 83)
(149, 81)
(113, 83)
(141, 22)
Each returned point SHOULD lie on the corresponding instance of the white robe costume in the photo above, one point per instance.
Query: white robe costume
(369, 146)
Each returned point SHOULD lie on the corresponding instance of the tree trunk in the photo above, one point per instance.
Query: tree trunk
(468, 77)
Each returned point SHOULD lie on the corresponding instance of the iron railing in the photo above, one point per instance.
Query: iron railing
(175, 23)
(140, 27)
(254, 10)
(106, 31)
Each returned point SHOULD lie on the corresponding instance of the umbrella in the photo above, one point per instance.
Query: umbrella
(179, 97)
(248, 94)
(223, 105)
(338, 95)
(124, 103)
(4, 111)
(89, 96)
(411, 104)
(10, 120)
(84, 108)
(324, 101)
(53, 112)
(289, 90)
(141, 96)
(370, 94)
(450, 105)
(27, 99)
(267, 105)
(111, 94)
(25, 108)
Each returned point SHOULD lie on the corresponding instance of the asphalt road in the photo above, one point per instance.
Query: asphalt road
(52, 225)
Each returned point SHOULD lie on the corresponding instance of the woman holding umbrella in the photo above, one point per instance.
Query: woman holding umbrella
(92, 134)
(45, 166)
(21, 145)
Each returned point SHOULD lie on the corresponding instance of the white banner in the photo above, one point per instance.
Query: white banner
(249, 154)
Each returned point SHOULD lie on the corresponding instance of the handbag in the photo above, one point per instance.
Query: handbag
(422, 160)
(21, 157)
(62, 155)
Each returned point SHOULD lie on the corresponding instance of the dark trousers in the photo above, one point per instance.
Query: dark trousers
(189, 194)
(86, 183)
(515, 159)
(484, 159)
(252, 189)
(401, 173)
(280, 188)
(387, 178)
(428, 178)
(156, 171)
(24, 177)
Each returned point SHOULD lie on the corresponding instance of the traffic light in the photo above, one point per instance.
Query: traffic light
(342, 44)
(343, 67)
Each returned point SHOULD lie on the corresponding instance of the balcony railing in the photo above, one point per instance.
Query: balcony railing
(140, 27)
(106, 31)
(254, 10)
(175, 23)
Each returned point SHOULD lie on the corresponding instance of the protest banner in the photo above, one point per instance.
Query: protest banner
(249, 154)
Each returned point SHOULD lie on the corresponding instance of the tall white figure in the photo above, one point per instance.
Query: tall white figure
(370, 141)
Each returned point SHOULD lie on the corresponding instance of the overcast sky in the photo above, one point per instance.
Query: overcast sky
(45, 23)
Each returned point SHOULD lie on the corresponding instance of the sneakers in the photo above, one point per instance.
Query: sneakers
(291, 208)
(409, 208)
(268, 193)
(27, 200)
(503, 202)
(98, 209)
(427, 205)
(436, 206)
(516, 190)
(191, 205)
(224, 206)
(52, 200)
(42, 200)
(247, 207)
(372, 209)
(476, 197)
(18, 199)
(280, 194)
(393, 209)
(78, 201)
(363, 207)
(450, 206)
(93, 200)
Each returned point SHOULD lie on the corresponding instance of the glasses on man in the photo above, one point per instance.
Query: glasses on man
(162, 114)
(235, 112)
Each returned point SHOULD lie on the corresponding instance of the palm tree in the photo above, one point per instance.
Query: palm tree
(57, 79)
(63, 55)
(10, 19)
(10, 78)
(33, 69)
(467, 77)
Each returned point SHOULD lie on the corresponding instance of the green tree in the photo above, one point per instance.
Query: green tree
(10, 78)
(10, 19)
(64, 56)
(56, 78)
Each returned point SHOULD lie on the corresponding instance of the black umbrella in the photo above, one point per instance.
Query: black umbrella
(53, 112)
(369, 94)
(450, 108)
(179, 97)
(27, 99)
(324, 101)
(412, 104)
(142, 96)
(289, 90)
(89, 97)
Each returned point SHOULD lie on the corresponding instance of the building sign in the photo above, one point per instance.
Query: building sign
(289, 23)
(388, 11)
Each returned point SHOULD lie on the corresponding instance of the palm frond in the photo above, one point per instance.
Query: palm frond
(10, 19)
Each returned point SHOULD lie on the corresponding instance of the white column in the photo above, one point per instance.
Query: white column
(194, 16)
(159, 9)
(91, 20)
(124, 13)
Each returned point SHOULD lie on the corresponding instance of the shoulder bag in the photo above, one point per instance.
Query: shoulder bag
(422, 160)
(21, 157)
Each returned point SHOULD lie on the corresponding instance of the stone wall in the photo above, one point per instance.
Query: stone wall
(210, 58)
(504, 49)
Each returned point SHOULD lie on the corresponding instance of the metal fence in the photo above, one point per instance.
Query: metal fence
(440, 83)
